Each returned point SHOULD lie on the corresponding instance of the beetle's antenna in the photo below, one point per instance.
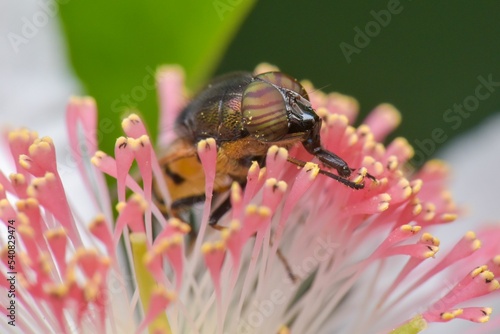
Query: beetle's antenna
(320, 88)
(340, 179)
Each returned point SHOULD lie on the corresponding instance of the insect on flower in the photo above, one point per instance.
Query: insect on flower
(246, 115)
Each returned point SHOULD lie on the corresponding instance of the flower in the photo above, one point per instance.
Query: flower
(298, 253)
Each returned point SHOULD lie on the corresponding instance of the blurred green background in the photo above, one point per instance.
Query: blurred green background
(424, 59)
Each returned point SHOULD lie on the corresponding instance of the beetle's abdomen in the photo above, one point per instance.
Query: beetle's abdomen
(216, 111)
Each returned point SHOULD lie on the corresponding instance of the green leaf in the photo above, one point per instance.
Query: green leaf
(414, 326)
(116, 46)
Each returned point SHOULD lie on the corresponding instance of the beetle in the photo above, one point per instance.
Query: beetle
(246, 114)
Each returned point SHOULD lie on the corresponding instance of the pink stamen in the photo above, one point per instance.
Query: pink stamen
(207, 152)
(7, 212)
(172, 247)
(124, 156)
(478, 283)
(19, 143)
(343, 105)
(100, 229)
(400, 149)
(382, 121)
(31, 210)
(19, 184)
(254, 182)
(57, 240)
(42, 155)
(335, 130)
(6, 186)
(475, 314)
(214, 255)
(131, 215)
(50, 194)
(170, 81)
(160, 300)
(371, 205)
(275, 161)
(134, 127)
(236, 201)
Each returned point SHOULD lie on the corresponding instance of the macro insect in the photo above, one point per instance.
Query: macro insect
(246, 115)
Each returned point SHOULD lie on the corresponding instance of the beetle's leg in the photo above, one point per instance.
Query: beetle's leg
(178, 209)
(178, 205)
(313, 146)
(288, 269)
(223, 208)
(342, 180)
(332, 160)
(219, 212)
(187, 201)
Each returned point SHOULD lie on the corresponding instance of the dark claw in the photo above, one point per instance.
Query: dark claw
(219, 212)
